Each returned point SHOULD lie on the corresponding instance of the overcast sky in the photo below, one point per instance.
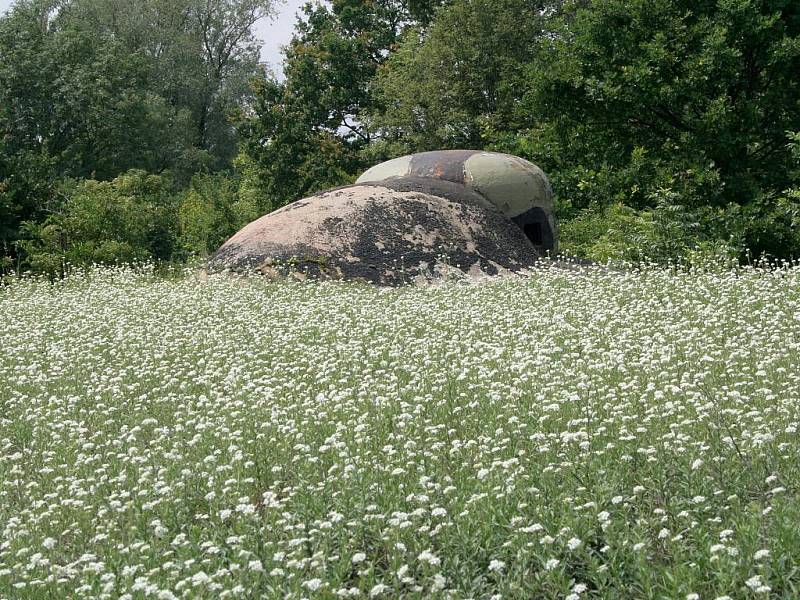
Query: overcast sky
(276, 32)
(273, 32)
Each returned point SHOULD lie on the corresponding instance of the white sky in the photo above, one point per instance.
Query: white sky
(273, 32)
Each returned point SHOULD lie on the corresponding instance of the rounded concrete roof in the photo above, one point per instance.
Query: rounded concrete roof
(514, 185)
(388, 232)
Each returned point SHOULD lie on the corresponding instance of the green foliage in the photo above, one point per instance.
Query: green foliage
(215, 207)
(132, 218)
(768, 226)
(794, 149)
(619, 103)
(628, 175)
(250, 187)
(668, 232)
(667, 127)
(196, 59)
(308, 132)
(702, 88)
(291, 157)
(613, 233)
(444, 85)
(24, 176)
(140, 217)
(90, 89)
(106, 120)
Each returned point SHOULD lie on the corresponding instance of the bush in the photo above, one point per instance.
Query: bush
(140, 217)
(128, 219)
(768, 227)
(662, 234)
(216, 205)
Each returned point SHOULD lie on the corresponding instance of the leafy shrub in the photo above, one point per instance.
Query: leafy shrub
(216, 205)
(140, 217)
(662, 234)
(203, 214)
(767, 227)
(128, 219)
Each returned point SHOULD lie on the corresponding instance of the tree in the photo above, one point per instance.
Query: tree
(214, 207)
(308, 132)
(200, 56)
(81, 98)
(131, 218)
(95, 88)
(444, 85)
(106, 85)
(292, 156)
(701, 94)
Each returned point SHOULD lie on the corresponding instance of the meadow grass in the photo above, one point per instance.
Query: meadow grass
(577, 434)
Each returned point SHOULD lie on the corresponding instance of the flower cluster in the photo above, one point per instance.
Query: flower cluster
(577, 433)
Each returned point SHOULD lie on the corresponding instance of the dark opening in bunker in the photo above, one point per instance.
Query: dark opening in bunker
(536, 227)
(533, 231)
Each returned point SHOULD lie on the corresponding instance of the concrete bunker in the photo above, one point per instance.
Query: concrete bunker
(420, 216)
(514, 185)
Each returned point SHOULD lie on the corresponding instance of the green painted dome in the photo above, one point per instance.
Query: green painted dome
(517, 187)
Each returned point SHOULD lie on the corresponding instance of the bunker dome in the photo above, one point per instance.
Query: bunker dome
(420, 216)
(517, 187)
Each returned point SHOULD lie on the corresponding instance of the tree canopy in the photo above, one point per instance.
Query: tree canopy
(665, 125)
(94, 88)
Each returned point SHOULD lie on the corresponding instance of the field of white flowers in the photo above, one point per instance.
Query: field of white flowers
(577, 434)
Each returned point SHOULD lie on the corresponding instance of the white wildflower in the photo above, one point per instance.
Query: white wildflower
(428, 557)
(497, 566)
(439, 582)
(255, 565)
(551, 564)
(377, 590)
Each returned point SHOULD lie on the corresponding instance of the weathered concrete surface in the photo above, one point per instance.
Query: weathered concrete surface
(399, 230)
(518, 188)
